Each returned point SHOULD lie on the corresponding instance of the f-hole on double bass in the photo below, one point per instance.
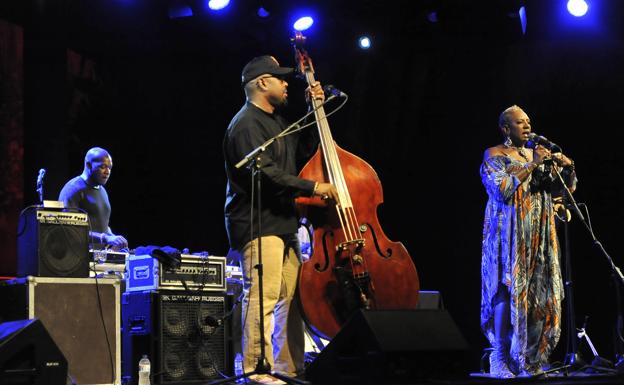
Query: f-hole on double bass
(354, 265)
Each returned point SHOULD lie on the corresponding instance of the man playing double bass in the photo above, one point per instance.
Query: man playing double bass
(257, 121)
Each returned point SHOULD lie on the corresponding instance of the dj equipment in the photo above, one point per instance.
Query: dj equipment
(108, 256)
(107, 262)
(53, 244)
(184, 335)
(194, 272)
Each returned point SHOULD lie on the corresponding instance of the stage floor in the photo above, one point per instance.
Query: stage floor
(484, 379)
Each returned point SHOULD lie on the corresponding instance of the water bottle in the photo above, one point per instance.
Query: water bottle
(238, 364)
(144, 370)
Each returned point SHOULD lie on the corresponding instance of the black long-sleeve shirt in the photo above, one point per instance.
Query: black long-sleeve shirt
(94, 200)
(249, 128)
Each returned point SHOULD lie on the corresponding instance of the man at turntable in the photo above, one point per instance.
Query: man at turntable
(87, 192)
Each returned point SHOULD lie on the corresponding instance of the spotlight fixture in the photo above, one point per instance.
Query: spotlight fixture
(364, 42)
(578, 8)
(432, 17)
(263, 13)
(217, 5)
(303, 23)
(178, 9)
(523, 19)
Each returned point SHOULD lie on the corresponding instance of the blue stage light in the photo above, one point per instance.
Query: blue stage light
(433, 17)
(577, 8)
(179, 9)
(263, 13)
(217, 5)
(523, 19)
(303, 23)
(364, 42)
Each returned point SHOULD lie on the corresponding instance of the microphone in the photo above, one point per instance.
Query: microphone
(42, 173)
(331, 90)
(535, 139)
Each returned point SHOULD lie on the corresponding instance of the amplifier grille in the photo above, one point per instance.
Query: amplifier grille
(191, 349)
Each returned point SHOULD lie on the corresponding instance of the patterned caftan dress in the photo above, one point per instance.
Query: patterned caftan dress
(521, 254)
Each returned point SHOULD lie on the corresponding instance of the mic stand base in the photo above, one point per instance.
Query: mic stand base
(602, 362)
(619, 365)
(573, 361)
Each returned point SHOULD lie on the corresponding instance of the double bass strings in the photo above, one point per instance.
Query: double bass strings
(344, 207)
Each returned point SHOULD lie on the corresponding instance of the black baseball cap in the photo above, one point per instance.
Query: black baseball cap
(263, 65)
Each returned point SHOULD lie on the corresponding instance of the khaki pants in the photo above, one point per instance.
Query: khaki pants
(283, 327)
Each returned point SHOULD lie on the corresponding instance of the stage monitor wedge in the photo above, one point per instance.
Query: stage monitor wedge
(392, 345)
(28, 355)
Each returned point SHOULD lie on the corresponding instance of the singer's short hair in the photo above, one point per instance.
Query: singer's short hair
(503, 119)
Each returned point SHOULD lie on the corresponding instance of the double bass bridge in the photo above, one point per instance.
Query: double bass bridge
(352, 249)
(354, 283)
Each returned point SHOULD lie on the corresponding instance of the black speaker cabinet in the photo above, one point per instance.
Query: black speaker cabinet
(82, 317)
(28, 355)
(53, 244)
(378, 346)
(182, 334)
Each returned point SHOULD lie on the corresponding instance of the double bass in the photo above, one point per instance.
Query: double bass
(353, 264)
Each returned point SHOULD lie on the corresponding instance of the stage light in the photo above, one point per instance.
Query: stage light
(523, 19)
(433, 17)
(217, 5)
(263, 13)
(303, 23)
(577, 8)
(178, 9)
(364, 42)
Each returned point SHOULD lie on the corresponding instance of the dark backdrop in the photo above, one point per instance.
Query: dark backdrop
(424, 102)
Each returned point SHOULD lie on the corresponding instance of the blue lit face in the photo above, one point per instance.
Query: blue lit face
(100, 169)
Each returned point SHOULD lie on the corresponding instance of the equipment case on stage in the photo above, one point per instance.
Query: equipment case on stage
(82, 315)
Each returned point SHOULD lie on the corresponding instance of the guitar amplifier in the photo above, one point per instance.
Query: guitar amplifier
(178, 332)
(197, 272)
(53, 244)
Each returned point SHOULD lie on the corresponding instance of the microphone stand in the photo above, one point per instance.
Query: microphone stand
(572, 357)
(39, 189)
(253, 161)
